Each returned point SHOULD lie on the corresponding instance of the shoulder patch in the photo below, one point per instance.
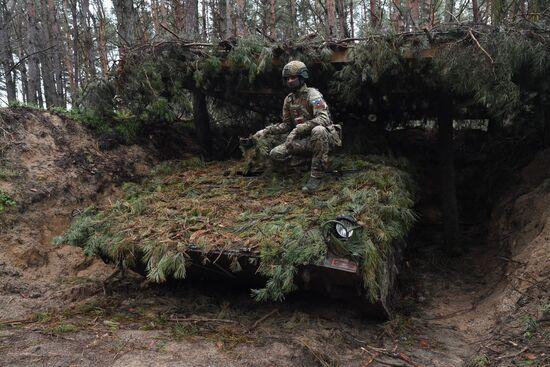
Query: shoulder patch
(318, 103)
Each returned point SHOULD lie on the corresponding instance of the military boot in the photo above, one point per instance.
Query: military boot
(313, 184)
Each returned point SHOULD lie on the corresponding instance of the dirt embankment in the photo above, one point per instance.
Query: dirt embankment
(517, 309)
(51, 167)
(487, 308)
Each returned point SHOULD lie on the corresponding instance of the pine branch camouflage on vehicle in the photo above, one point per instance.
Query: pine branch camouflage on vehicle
(207, 206)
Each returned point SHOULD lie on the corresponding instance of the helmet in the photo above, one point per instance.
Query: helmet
(295, 68)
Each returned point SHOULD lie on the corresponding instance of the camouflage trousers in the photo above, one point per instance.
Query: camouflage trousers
(317, 145)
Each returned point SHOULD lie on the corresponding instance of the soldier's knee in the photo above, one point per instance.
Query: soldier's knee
(278, 153)
(318, 131)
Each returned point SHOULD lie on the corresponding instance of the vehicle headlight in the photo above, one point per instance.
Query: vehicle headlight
(344, 227)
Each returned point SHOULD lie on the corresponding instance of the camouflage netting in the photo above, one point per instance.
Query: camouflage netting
(384, 81)
(191, 203)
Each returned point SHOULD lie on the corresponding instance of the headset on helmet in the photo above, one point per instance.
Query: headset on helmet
(295, 68)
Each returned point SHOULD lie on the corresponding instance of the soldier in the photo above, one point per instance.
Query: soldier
(306, 120)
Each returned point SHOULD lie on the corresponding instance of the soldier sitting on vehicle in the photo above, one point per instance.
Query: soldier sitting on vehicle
(306, 129)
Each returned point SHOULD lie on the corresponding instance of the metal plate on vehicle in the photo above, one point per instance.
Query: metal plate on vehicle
(340, 263)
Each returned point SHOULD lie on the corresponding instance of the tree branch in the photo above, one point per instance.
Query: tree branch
(479, 45)
(26, 57)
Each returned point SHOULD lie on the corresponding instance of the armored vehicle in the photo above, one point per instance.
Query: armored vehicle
(192, 217)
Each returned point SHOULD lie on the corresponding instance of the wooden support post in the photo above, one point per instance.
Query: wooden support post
(447, 172)
(202, 122)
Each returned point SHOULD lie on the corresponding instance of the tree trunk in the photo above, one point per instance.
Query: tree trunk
(351, 19)
(57, 54)
(75, 58)
(87, 40)
(219, 20)
(427, 13)
(127, 20)
(229, 18)
(204, 21)
(6, 52)
(69, 58)
(343, 31)
(239, 18)
(475, 11)
(191, 20)
(102, 39)
(19, 30)
(498, 11)
(331, 19)
(447, 171)
(415, 13)
(291, 34)
(396, 18)
(374, 20)
(34, 91)
(48, 43)
(365, 16)
(202, 122)
(179, 16)
(449, 10)
(155, 15)
(272, 19)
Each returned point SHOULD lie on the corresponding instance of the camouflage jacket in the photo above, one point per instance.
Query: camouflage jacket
(305, 106)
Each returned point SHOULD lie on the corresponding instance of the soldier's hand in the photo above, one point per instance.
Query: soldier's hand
(246, 143)
(301, 129)
(259, 135)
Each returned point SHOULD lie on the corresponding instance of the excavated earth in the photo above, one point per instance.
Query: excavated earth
(489, 307)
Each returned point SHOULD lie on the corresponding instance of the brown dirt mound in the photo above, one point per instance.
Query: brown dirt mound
(497, 296)
(517, 312)
(50, 166)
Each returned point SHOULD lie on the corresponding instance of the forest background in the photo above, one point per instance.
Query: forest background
(53, 50)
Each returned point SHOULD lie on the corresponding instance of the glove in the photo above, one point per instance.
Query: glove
(259, 135)
(300, 129)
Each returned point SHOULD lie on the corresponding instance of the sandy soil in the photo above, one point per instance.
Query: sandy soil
(489, 307)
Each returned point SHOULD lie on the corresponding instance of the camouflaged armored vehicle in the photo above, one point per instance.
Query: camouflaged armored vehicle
(192, 217)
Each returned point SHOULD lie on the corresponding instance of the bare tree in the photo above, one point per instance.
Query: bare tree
(331, 18)
(475, 11)
(102, 37)
(20, 44)
(229, 30)
(449, 10)
(69, 45)
(34, 91)
(272, 18)
(352, 26)
(86, 40)
(191, 27)
(127, 22)
(219, 18)
(374, 11)
(240, 18)
(396, 17)
(343, 31)
(6, 51)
